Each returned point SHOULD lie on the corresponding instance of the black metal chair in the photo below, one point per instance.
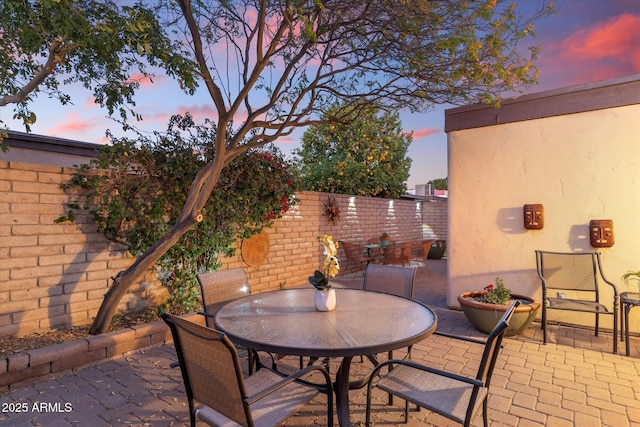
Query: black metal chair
(449, 394)
(570, 282)
(217, 391)
(220, 287)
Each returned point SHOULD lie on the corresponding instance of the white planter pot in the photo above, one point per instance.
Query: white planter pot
(325, 300)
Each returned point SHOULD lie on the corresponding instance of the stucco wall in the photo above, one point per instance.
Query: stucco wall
(580, 165)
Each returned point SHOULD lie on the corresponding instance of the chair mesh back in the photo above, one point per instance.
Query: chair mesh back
(222, 286)
(390, 279)
(568, 271)
(353, 252)
(210, 368)
(493, 344)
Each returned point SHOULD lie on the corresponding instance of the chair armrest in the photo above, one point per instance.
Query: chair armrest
(460, 337)
(425, 368)
(327, 389)
(202, 313)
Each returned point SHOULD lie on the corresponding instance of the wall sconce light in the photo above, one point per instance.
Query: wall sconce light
(533, 216)
(601, 233)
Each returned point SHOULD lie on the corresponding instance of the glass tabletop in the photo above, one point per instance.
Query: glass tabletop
(363, 322)
(632, 298)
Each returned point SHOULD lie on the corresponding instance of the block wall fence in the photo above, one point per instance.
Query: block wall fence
(55, 275)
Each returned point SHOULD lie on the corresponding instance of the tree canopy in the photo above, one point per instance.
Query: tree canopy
(365, 156)
(135, 189)
(270, 67)
(47, 44)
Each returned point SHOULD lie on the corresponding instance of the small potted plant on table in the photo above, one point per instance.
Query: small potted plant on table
(384, 239)
(484, 308)
(325, 295)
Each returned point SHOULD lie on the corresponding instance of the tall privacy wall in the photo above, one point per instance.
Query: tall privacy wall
(55, 275)
(576, 151)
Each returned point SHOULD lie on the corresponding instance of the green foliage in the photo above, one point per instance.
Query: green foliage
(319, 281)
(97, 43)
(364, 154)
(497, 294)
(135, 191)
(439, 184)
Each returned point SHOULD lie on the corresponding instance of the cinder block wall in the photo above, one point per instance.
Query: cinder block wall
(295, 252)
(55, 275)
(435, 219)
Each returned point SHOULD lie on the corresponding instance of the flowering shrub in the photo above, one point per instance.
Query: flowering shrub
(497, 294)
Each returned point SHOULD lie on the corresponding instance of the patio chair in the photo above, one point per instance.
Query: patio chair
(214, 381)
(219, 287)
(400, 253)
(449, 394)
(355, 254)
(390, 279)
(570, 282)
(425, 247)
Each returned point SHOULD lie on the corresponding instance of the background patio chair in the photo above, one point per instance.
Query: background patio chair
(425, 247)
(213, 379)
(570, 282)
(356, 255)
(390, 279)
(401, 253)
(452, 395)
(219, 287)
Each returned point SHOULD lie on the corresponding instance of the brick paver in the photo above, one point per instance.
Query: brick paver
(534, 384)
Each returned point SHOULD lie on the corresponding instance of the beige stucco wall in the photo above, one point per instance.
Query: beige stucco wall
(580, 166)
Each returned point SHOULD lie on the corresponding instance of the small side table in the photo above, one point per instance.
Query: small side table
(628, 300)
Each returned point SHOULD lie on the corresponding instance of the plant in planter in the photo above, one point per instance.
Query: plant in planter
(437, 249)
(632, 275)
(325, 296)
(484, 308)
(384, 239)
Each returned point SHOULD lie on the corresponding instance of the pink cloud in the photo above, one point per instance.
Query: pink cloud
(614, 38)
(75, 127)
(604, 50)
(146, 81)
(424, 132)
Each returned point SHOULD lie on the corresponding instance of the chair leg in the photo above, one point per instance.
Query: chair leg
(544, 324)
(485, 418)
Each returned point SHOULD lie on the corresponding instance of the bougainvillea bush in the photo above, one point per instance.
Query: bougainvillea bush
(136, 188)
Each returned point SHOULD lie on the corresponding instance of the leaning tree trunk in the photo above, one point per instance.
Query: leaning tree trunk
(199, 192)
(123, 281)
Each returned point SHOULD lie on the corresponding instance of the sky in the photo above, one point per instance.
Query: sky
(585, 41)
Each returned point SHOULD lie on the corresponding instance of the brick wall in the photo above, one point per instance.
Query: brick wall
(435, 219)
(55, 275)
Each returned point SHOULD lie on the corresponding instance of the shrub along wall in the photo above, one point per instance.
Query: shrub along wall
(55, 275)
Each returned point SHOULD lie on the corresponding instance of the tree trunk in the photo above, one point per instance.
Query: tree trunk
(199, 192)
(123, 281)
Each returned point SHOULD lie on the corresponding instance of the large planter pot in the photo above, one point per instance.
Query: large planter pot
(485, 316)
(437, 249)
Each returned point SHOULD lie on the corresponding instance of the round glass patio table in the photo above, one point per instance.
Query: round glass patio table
(363, 323)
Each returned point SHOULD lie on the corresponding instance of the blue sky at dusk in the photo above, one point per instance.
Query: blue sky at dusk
(586, 41)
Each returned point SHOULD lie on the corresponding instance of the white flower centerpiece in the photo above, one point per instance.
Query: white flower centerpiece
(325, 295)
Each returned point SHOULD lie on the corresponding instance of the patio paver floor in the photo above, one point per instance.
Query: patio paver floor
(573, 380)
